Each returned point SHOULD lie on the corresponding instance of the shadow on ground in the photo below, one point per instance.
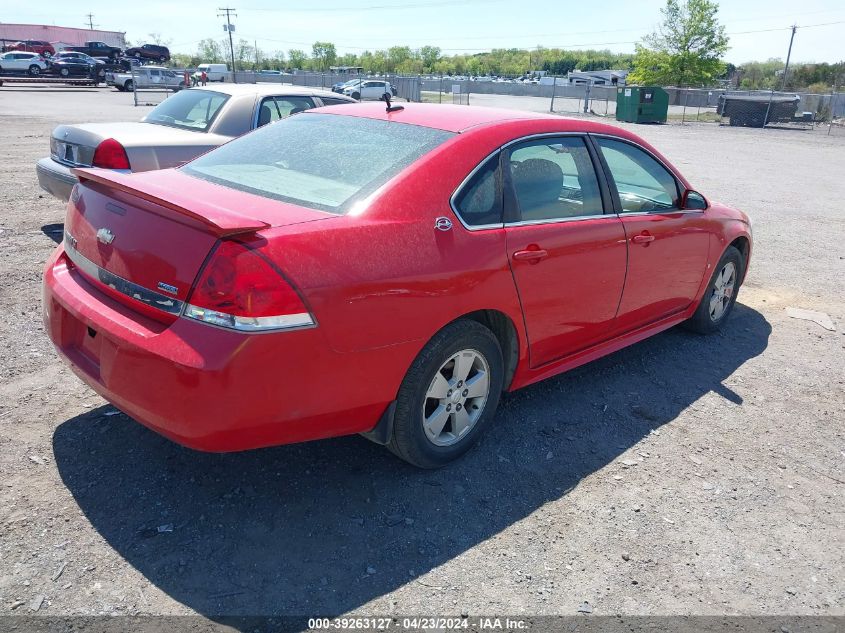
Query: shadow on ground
(324, 527)
(55, 232)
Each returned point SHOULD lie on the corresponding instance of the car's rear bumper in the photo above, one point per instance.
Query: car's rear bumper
(210, 388)
(55, 178)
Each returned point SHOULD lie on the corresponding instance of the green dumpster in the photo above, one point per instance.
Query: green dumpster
(642, 104)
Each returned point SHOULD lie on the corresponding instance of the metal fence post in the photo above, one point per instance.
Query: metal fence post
(834, 98)
(134, 84)
(554, 89)
(684, 111)
(440, 93)
(768, 107)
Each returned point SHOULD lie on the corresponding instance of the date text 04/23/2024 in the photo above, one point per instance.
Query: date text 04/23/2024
(417, 623)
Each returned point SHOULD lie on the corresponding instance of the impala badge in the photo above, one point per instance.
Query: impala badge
(443, 224)
(104, 236)
(168, 288)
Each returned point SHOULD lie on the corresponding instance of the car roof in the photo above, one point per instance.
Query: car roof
(452, 118)
(267, 89)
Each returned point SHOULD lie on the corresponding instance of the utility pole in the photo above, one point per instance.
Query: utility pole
(90, 17)
(229, 12)
(788, 55)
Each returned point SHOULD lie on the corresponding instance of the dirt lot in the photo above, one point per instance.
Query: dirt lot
(684, 475)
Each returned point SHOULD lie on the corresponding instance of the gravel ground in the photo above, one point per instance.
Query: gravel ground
(683, 475)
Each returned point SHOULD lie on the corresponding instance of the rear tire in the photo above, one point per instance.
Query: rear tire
(449, 395)
(719, 298)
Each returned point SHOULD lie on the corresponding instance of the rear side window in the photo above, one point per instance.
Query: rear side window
(644, 185)
(554, 178)
(479, 201)
(275, 108)
(321, 161)
(329, 101)
(189, 109)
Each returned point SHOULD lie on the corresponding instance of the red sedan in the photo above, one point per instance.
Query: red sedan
(358, 270)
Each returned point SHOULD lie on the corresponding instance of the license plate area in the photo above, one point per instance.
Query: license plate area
(82, 344)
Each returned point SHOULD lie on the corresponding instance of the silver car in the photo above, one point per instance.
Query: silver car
(179, 129)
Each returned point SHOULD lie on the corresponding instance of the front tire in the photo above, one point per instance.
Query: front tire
(719, 298)
(448, 396)
(129, 86)
(356, 96)
(34, 71)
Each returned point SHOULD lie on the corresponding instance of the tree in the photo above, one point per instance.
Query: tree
(430, 56)
(324, 54)
(686, 49)
(297, 58)
(210, 51)
(158, 40)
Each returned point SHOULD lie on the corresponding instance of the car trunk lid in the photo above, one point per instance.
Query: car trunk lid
(143, 238)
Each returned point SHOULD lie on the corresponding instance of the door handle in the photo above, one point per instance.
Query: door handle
(533, 256)
(643, 238)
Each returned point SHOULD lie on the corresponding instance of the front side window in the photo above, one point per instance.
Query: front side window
(644, 185)
(322, 161)
(553, 179)
(479, 201)
(189, 109)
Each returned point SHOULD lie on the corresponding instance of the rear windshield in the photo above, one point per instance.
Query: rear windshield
(322, 161)
(189, 109)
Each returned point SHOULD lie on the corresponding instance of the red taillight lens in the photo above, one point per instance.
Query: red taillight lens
(110, 155)
(239, 289)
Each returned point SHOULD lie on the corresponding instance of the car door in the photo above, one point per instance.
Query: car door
(567, 255)
(667, 246)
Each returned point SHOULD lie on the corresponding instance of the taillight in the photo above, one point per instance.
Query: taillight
(239, 289)
(110, 155)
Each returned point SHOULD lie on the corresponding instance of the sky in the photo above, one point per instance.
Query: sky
(758, 29)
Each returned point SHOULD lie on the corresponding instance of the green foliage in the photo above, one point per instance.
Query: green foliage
(686, 49)
(810, 77)
(324, 55)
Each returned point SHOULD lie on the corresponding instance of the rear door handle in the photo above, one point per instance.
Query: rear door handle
(531, 255)
(644, 238)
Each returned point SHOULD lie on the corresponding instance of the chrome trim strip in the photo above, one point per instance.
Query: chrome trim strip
(575, 218)
(121, 285)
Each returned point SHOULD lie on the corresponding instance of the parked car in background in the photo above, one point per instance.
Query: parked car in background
(367, 89)
(77, 67)
(213, 72)
(76, 55)
(146, 77)
(15, 62)
(41, 47)
(177, 130)
(96, 49)
(149, 51)
(340, 85)
(301, 282)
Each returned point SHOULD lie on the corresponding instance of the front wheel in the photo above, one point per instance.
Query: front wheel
(719, 298)
(64, 72)
(448, 396)
(129, 86)
(34, 71)
(356, 96)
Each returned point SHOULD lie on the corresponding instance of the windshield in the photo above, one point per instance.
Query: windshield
(321, 161)
(189, 109)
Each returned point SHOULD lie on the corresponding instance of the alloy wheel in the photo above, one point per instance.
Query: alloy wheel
(456, 397)
(723, 290)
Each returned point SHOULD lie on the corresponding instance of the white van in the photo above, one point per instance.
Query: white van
(214, 72)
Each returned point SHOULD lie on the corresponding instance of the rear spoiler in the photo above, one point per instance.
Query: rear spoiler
(220, 221)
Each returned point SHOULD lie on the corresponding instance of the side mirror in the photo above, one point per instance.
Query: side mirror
(693, 200)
